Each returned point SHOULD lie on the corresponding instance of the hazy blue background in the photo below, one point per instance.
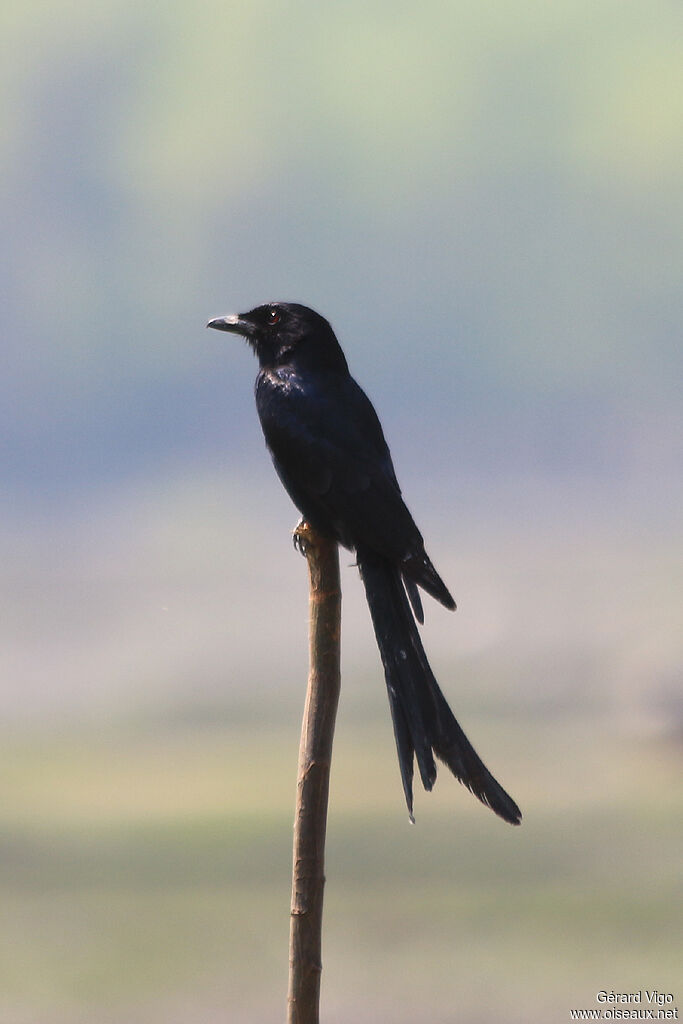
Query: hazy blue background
(485, 200)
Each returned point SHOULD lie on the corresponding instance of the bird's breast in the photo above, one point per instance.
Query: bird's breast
(282, 380)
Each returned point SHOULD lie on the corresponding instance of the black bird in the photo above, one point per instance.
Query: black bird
(329, 451)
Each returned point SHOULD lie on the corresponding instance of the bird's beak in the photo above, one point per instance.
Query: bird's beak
(234, 324)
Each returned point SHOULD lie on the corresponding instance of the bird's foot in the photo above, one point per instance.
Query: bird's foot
(301, 537)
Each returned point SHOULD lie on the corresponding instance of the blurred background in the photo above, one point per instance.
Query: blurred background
(485, 200)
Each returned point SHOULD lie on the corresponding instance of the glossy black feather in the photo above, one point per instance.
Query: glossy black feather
(426, 723)
(330, 453)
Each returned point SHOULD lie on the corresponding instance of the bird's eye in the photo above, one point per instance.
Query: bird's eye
(273, 317)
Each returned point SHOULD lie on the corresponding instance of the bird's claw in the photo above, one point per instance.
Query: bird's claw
(300, 537)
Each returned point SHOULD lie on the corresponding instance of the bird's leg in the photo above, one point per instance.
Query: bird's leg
(301, 536)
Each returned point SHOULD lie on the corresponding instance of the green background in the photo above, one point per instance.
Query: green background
(485, 200)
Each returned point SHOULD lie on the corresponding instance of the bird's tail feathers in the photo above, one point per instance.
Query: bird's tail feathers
(423, 722)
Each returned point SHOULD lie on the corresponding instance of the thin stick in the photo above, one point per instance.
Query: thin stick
(315, 753)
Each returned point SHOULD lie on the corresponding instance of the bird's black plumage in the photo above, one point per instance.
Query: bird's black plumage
(330, 453)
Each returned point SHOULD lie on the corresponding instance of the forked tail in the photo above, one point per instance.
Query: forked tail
(424, 724)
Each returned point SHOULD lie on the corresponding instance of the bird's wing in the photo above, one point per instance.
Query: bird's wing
(329, 450)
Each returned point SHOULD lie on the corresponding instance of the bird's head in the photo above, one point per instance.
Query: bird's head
(286, 333)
